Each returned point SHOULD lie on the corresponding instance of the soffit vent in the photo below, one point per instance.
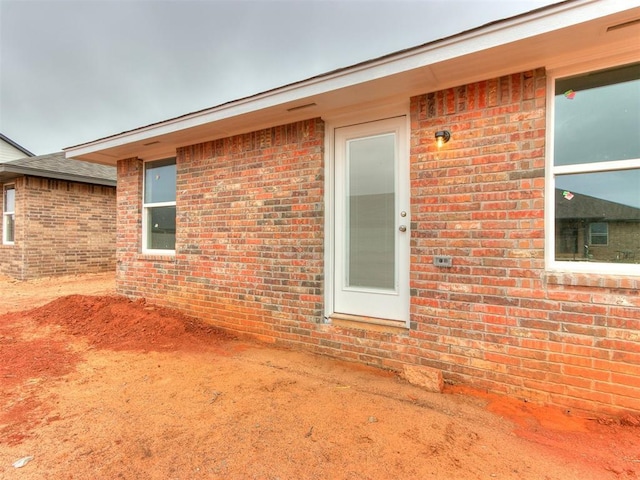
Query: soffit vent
(619, 26)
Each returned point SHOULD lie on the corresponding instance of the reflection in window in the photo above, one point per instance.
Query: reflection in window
(598, 216)
(597, 202)
(599, 233)
(597, 117)
(160, 205)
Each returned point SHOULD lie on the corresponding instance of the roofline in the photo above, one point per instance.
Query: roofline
(15, 145)
(315, 78)
(36, 172)
(539, 21)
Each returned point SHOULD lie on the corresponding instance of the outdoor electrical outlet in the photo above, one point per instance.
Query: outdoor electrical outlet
(442, 261)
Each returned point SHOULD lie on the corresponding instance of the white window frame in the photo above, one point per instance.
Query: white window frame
(6, 214)
(145, 215)
(551, 171)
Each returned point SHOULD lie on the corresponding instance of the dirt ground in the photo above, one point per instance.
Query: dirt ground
(95, 386)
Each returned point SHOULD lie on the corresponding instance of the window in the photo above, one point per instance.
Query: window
(8, 215)
(595, 174)
(599, 233)
(159, 205)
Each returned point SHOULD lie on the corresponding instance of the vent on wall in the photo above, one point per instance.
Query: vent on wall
(630, 23)
(300, 107)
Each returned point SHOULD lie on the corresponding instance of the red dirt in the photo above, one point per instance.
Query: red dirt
(116, 323)
(105, 387)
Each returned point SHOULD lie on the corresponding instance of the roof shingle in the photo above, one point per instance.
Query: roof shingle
(55, 165)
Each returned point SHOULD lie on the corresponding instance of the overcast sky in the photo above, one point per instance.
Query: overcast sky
(74, 71)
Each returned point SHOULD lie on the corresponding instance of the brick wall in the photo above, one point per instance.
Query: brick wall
(249, 244)
(496, 319)
(250, 254)
(62, 228)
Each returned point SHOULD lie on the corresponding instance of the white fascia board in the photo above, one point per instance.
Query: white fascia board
(525, 26)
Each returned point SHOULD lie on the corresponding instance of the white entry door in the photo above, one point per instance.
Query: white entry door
(372, 220)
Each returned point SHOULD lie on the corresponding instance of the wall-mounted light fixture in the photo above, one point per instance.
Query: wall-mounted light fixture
(442, 137)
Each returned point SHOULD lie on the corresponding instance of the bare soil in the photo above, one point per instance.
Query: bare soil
(96, 386)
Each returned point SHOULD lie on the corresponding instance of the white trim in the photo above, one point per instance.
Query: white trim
(329, 215)
(5, 214)
(549, 182)
(145, 214)
(633, 163)
(551, 264)
(370, 115)
(631, 269)
(544, 21)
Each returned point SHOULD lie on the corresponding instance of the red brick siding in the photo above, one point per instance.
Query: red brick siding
(496, 319)
(250, 253)
(62, 228)
(249, 242)
(129, 226)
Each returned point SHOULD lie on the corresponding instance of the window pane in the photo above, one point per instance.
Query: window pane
(597, 117)
(160, 181)
(161, 228)
(9, 228)
(598, 233)
(598, 217)
(10, 200)
(371, 214)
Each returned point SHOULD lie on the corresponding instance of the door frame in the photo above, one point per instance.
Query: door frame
(371, 115)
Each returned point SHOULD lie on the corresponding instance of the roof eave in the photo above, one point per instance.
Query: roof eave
(461, 46)
(9, 173)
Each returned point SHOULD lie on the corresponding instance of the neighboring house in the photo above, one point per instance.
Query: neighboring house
(324, 215)
(593, 229)
(10, 150)
(58, 217)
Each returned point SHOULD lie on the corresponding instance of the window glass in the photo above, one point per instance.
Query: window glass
(161, 228)
(8, 215)
(598, 216)
(160, 205)
(371, 214)
(160, 181)
(597, 117)
(10, 200)
(597, 203)
(9, 228)
(598, 233)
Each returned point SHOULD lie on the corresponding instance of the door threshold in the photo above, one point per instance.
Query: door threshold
(368, 323)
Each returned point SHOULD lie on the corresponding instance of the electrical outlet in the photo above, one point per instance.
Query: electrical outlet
(442, 261)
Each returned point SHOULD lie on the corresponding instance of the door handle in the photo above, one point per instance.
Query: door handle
(402, 228)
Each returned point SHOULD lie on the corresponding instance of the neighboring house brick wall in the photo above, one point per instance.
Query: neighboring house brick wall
(250, 253)
(62, 228)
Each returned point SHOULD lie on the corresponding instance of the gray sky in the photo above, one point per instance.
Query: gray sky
(73, 71)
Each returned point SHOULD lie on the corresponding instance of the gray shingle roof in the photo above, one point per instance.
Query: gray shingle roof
(586, 207)
(55, 165)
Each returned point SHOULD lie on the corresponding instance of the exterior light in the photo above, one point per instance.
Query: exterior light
(442, 137)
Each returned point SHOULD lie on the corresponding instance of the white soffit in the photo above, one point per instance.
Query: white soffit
(570, 32)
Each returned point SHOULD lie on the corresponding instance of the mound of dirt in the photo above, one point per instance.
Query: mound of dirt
(107, 387)
(117, 323)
